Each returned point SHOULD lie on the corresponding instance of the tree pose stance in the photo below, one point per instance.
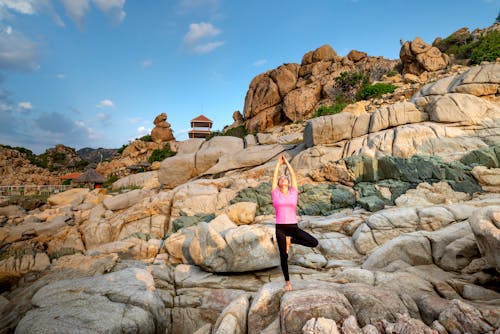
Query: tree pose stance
(285, 199)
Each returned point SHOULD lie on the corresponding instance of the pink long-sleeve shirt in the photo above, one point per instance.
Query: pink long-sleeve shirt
(285, 205)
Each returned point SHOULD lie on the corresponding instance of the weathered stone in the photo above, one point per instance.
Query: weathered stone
(233, 319)
(485, 224)
(242, 213)
(72, 197)
(125, 200)
(120, 301)
(460, 317)
(177, 170)
(299, 103)
(147, 180)
(320, 326)
(248, 157)
(299, 306)
(240, 249)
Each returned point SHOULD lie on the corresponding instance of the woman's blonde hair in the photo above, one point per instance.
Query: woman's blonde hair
(286, 177)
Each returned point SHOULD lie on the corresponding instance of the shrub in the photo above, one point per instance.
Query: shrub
(111, 179)
(80, 165)
(391, 73)
(239, 131)
(348, 80)
(121, 149)
(146, 138)
(375, 90)
(161, 154)
(487, 48)
(330, 110)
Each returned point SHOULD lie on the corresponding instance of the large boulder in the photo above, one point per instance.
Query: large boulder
(121, 301)
(177, 170)
(124, 200)
(148, 180)
(299, 104)
(223, 247)
(418, 57)
(72, 197)
(485, 224)
(212, 150)
(248, 157)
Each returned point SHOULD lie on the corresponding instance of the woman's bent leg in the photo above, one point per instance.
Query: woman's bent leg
(303, 238)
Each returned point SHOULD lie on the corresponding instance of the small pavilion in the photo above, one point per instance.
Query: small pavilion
(91, 178)
(200, 127)
(71, 177)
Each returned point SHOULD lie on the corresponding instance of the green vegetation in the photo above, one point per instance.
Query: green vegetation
(146, 138)
(161, 154)
(375, 90)
(487, 48)
(349, 80)
(484, 48)
(391, 73)
(330, 110)
(111, 179)
(80, 165)
(121, 149)
(351, 87)
(239, 131)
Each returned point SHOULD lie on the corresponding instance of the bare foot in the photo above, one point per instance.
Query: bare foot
(288, 286)
(288, 243)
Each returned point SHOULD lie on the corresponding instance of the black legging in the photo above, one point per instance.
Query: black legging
(298, 237)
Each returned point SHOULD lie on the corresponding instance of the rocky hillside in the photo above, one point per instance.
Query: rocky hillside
(401, 190)
(16, 169)
(96, 155)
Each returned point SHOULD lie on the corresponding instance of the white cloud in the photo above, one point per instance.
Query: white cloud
(113, 8)
(25, 105)
(105, 104)
(76, 9)
(21, 6)
(206, 48)
(61, 76)
(141, 131)
(260, 62)
(147, 63)
(200, 30)
(16, 51)
(102, 116)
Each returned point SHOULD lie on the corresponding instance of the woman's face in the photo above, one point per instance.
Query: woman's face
(283, 182)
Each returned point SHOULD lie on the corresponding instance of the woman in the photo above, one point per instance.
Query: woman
(285, 199)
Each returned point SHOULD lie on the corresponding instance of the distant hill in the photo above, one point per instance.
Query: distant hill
(96, 155)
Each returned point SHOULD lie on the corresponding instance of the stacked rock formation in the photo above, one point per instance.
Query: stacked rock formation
(161, 132)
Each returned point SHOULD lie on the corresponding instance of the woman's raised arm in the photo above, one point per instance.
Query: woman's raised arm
(292, 174)
(274, 184)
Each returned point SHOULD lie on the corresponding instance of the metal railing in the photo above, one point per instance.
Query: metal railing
(32, 190)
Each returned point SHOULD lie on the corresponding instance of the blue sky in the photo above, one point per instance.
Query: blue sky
(95, 73)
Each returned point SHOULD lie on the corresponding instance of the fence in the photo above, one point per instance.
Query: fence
(31, 190)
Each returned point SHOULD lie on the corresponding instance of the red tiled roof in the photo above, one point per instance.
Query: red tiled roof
(70, 176)
(201, 118)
